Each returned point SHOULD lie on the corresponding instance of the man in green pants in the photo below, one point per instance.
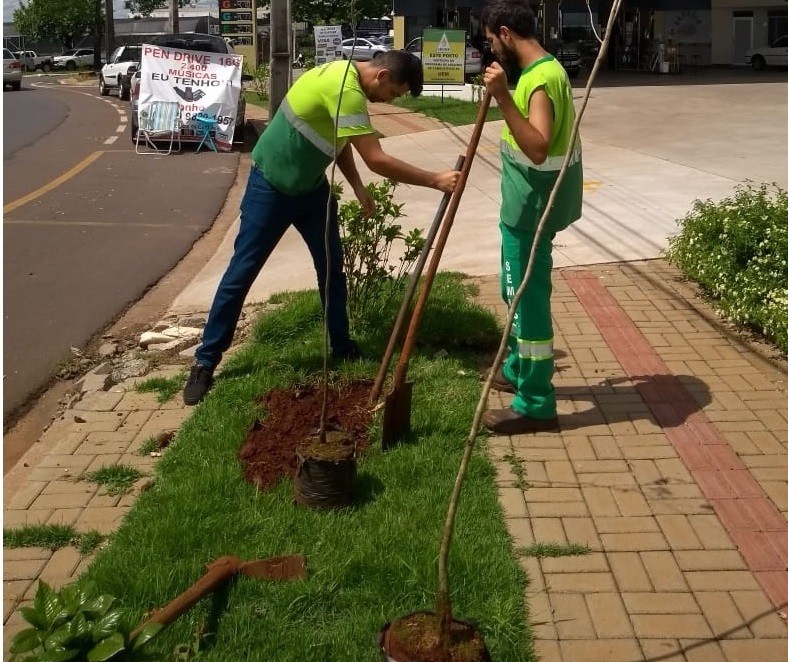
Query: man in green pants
(539, 117)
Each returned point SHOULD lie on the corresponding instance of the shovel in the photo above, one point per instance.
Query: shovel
(279, 568)
(413, 282)
(396, 412)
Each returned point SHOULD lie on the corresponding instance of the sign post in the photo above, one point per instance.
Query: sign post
(238, 22)
(328, 43)
(443, 56)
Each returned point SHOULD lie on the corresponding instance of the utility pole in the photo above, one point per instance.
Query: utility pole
(109, 11)
(172, 24)
(97, 26)
(281, 71)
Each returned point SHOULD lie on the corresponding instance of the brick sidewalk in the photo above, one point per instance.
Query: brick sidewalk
(671, 465)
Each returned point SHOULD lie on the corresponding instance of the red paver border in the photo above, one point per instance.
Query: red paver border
(758, 529)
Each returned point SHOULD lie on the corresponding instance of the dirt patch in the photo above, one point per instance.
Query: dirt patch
(268, 453)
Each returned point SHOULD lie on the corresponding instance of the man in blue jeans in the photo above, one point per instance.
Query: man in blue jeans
(287, 184)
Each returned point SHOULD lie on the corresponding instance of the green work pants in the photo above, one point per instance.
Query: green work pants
(529, 364)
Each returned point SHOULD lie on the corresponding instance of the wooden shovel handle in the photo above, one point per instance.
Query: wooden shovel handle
(413, 282)
(401, 370)
(218, 572)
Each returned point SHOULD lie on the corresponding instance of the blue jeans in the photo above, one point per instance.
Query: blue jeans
(265, 216)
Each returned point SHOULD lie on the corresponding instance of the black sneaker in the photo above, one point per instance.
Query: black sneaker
(347, 352)
(199, 382)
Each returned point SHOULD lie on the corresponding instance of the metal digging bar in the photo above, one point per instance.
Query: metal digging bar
(413, 282)
(396, 413)
(279, 568)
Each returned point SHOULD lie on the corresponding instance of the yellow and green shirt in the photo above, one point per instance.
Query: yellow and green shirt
(298, 144)
(526, 186)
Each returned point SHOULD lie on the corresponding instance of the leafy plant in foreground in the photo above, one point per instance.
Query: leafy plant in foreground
(373, 274)
(77, 623)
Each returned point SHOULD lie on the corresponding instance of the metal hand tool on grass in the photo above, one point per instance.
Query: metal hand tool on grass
(396, 412)
(278, 568)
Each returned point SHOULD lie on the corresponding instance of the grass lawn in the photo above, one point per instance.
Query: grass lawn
(450, 110)
(367, 564)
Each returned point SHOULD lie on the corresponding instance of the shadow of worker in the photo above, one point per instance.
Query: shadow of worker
(663, 399)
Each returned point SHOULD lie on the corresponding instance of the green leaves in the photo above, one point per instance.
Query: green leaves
(736, 249)
(374, 276)
(80, 624)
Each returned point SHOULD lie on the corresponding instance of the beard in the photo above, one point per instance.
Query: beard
(510, 62)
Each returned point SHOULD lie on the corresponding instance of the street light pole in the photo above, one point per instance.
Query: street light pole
(173, 25)
(281, 70)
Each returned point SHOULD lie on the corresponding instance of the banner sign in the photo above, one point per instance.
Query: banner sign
(443, 56)
(328, 43)
(204, 83)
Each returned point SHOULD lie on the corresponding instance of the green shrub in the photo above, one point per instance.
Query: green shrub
(737, 250)
(374, 276)
(76, 623)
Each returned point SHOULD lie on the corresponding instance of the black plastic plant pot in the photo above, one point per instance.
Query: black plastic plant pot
(414, 638)
(326, 472)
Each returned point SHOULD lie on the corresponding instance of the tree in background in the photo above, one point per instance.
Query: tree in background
(139, 8)
(61, 21)
(329, 12)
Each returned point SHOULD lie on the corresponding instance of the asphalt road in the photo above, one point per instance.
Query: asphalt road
(89, 225)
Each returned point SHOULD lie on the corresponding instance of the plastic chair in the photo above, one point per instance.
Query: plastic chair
(205, 126)
(159, 120)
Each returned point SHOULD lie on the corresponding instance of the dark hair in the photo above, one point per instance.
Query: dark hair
(514, 14)
(403, 67)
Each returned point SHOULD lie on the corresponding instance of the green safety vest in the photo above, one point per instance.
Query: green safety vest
(526, 186)
(298, 144)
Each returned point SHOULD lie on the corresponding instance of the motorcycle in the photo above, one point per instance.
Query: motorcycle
(298, 62)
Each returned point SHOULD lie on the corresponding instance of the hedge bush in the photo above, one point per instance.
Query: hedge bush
(737, 250)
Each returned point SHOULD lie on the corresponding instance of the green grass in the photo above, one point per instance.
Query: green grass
(52, 537)
(452, 111)
(117, 479)
(367, 564)
(255, 98)
(164, 387)
(553, 549)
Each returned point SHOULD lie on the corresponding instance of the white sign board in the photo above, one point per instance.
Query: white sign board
(202, 83)
(328, 43)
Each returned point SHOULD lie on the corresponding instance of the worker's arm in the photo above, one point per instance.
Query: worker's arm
(385, 165)
(347, 167)
(531, 133)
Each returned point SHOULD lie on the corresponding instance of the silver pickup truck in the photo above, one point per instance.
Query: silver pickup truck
(32, 61)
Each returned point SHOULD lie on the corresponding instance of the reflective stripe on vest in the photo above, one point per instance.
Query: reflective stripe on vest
(353, 120)
(535, 350)
(551, 163)
(305, 130)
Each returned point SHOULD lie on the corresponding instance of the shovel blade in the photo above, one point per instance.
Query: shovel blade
(396, 414)
(280, 568)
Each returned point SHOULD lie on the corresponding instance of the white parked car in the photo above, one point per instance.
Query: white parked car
(117, 73)
(473, 57)
(365, 49)
(12, 70)
(73, 58)
(775, 55)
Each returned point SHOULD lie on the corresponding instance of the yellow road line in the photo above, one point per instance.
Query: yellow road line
(71, 172)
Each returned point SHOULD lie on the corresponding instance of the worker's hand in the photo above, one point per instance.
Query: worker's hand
(495, 80)
(446, 181)
(366, 201)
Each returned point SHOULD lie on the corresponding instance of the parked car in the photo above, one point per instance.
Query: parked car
(32, 61)
(570, 60)
(12, 71)
(473, 56)
(365, 49)
(192, 41)
(775, 55)
(116, 74)
(73, 58)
